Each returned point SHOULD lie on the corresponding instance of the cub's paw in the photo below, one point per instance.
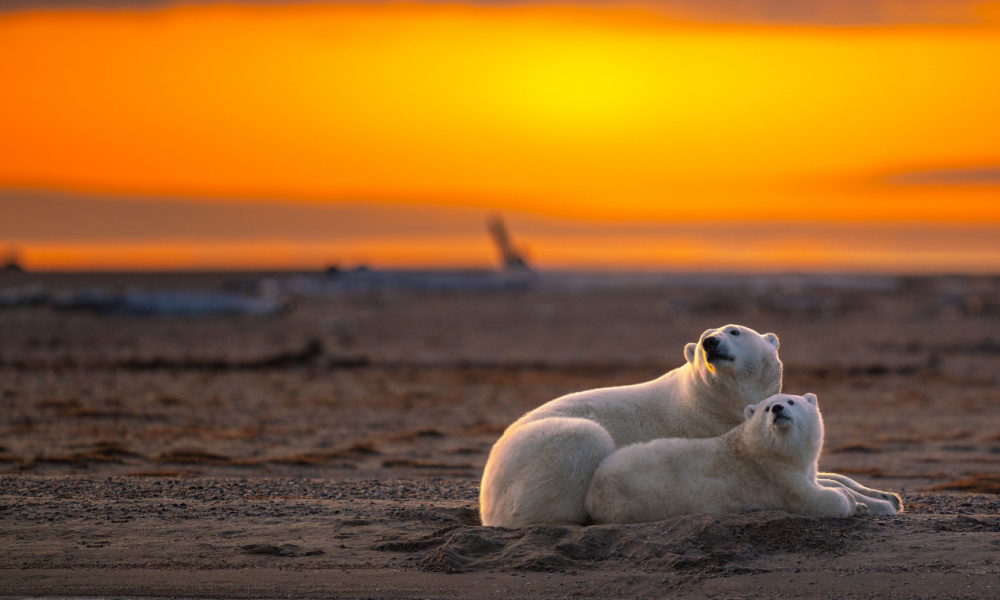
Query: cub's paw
(894, 499)
(878, 507)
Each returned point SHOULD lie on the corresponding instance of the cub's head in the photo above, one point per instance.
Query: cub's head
(738, 359)
(787, 425)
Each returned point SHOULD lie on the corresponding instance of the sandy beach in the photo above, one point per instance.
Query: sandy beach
(335, 449)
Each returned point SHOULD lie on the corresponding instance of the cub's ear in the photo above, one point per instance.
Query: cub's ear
(811, 399)
(689, 351)
(772, 339)
(749, 411)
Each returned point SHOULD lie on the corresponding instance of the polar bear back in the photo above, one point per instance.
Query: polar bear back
(629, 486)
(661, 479)
(631, 413)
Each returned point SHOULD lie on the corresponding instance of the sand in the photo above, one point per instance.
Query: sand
(335, 450)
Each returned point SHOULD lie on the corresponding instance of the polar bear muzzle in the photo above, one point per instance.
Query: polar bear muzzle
(715, 350)
(781, 417)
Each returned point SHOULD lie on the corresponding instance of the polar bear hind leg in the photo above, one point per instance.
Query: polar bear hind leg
(540, 472)
(861, 493)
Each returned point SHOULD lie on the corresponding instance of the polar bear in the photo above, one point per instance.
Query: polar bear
(540, 469)
(768, 462)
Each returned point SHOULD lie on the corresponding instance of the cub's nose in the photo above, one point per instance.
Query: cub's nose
(777, 409)
(710, 343)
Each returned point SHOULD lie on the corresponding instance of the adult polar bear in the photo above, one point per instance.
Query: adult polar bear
(540, 469)
(767, 462)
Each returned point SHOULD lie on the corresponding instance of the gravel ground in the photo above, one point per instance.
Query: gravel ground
(421, 538)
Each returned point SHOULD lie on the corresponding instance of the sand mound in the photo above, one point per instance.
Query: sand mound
(689, 542)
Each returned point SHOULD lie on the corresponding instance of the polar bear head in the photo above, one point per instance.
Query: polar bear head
(790, 426)
(739, 362)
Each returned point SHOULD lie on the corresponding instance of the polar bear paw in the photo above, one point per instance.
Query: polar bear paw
(860, 510)
(877, 506)
(894, 499)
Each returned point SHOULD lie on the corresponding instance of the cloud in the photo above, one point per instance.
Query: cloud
(786, 12)
(969, 176)
(27, 215)
(54, 230)
(37, 215)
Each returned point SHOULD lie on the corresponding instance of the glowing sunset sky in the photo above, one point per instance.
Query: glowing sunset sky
(615, 121)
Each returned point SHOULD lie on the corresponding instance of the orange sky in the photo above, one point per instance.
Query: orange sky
(614, 114)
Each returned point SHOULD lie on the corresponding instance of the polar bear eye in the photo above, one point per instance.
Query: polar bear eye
(734, 332)
(791, 403)
(768, 409)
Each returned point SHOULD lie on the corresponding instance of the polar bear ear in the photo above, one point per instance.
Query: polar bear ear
(749, 411)
(772, 339)
(689, 351)
(811, 399)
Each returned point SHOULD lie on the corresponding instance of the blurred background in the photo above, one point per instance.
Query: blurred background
(669, 135)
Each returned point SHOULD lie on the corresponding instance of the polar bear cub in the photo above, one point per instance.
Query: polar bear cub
(768, 462)
(540, 469)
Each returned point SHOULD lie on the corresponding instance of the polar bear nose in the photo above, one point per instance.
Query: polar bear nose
(711, 343)
(777, 409)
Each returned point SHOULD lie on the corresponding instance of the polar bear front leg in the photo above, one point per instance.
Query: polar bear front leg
(829, 502)
(540, 471)
(833, 480)
(875, 506)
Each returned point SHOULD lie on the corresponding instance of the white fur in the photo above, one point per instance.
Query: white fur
(878, 502)
(768, 462)
(540, 469)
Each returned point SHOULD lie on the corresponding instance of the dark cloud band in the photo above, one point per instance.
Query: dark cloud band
(781, 12)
